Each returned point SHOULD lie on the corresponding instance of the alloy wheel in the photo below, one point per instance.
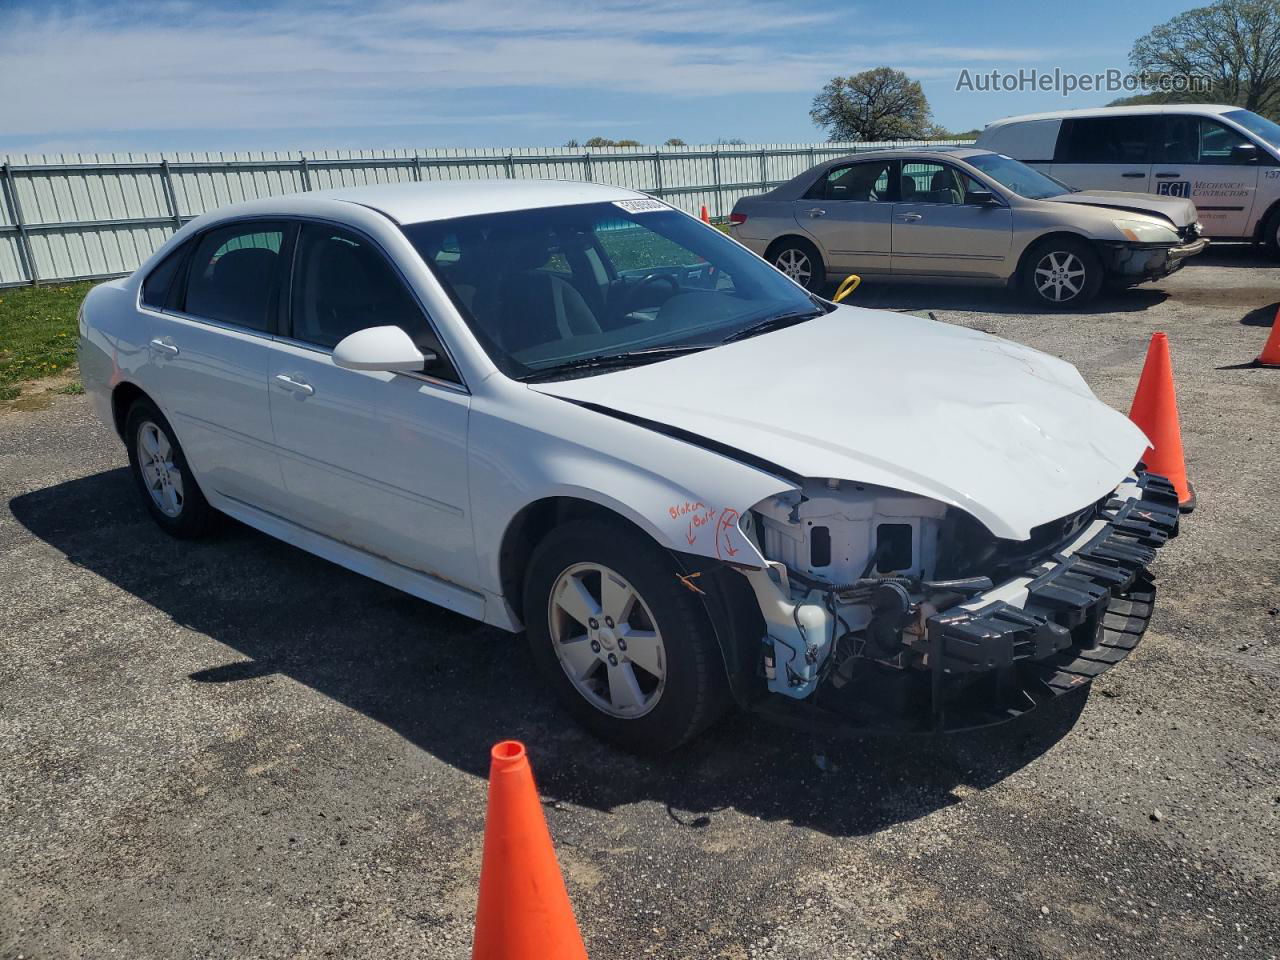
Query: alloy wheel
(607, 640)
(163, 477)
(795, 264)
(1060, 276)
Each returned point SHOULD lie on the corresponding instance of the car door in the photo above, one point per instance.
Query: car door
(208, 352)
(1105, 153)
(938, 231)
(848, 213)
(373, 459)
(1196, 159)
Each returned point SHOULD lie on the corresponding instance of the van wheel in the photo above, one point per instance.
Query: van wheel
(1061, 272)
(628, 650)
(1271, 233)
(168, 488)
(800, 261)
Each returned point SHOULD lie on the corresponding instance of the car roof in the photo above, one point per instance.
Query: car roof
(445, 199)
(899, 153)
(1196, 109)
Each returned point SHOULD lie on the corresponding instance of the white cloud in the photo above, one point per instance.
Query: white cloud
(190, 66)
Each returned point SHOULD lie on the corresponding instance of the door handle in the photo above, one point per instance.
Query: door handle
(296, 386)
(1167, 176)
(164, 346)
(1135, 174)
(816, 212)
(910, 217)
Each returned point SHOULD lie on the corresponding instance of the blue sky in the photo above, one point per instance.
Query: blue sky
(282, 74)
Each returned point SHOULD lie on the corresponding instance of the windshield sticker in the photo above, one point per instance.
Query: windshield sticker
(641, 206)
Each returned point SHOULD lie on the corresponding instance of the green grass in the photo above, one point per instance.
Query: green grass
(37, 333)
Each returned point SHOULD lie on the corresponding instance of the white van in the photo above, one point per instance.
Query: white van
(1224, 159)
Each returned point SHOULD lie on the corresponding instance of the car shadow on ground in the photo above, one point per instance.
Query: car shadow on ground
(454, 687)
(919, 298)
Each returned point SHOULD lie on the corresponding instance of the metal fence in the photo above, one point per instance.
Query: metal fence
(92, 217)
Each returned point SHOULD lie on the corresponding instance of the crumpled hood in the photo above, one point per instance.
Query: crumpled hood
(1011, 435)
(1177, 210)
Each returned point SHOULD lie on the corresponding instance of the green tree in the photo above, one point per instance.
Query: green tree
(1233, 43)
(675, 142)
(879, 104)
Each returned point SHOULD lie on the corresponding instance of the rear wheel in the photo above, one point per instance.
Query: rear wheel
(168, 488)
(800, 261)
(628, 650)
(1271, 233)
(1061, 272)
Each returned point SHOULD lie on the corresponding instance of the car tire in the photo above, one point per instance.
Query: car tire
(168, 489)
(800, 261)
(1061, 272)
(647, 697)
(1271, 233)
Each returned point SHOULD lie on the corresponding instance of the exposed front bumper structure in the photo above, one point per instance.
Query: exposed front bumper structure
(1129, 263)
(1066, 620)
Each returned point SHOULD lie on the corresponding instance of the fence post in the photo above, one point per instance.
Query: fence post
(586, 166)
(657, 174)
(715, 166)
(764, 169)
(306, 174)
(417, 167)
(25, 252)
(511, 166)
(166, 178)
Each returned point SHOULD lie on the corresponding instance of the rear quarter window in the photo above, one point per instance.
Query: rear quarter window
(159, 289)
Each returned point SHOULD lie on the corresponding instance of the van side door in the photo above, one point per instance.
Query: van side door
(1106, 153)
(1196, 158)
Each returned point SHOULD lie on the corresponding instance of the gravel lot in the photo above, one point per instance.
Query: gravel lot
(233, 749)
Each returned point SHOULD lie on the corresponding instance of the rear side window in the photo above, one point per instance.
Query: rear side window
(159, 290)
(235, 275)
(1120, 139)
(867, 181)
(1197, 140)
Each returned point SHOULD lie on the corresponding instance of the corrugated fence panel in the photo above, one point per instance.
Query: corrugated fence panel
(72, 216)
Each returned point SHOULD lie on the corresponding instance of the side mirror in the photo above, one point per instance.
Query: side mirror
(380, 348)
(1244, 153)
(983, 198)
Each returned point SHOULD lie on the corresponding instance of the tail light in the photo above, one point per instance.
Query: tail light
(737, 218)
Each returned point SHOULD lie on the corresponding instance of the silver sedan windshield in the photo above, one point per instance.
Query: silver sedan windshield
(562, 285)
(1023, 180)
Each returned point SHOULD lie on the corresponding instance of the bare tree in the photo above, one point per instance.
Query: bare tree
(879, 104)
(1233, 43)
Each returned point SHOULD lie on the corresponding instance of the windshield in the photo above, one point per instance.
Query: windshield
(1260, 127)
(560, 285)
(1023, 180)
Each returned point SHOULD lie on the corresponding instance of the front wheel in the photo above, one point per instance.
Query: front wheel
(627, 648)
(1061, 273)
(801, 262)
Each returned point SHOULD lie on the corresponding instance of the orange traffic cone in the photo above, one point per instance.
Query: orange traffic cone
(524, 912)
(1155, 410)
(705, 217)
(1270, 355)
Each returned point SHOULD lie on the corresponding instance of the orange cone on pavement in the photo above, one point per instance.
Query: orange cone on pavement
(1270, 355)
(705, 217)
(524, 911)
(1155, 411)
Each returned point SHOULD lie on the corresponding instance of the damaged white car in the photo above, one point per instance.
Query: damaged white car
(569, 409)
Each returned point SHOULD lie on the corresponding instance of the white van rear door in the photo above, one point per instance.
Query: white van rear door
(1105, 153)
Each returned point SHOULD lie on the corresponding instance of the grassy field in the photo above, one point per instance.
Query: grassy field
(37, 334)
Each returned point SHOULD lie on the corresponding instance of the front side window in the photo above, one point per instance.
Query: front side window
(1266, 130)
(1117, 139)
(1014, 175)
(543, 289)
(235, 275)
(342, 284)
(866, 181)
(1199, 140)
(935, 183)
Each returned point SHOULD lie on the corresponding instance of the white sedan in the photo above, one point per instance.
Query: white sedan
(572, 410)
